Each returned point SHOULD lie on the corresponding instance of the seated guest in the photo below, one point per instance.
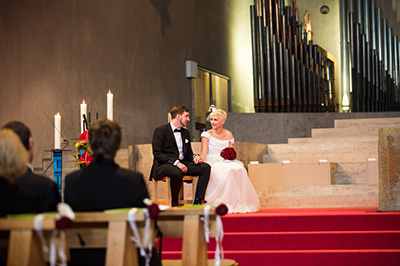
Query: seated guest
(43, 186)
(103, 185)
(13, 160)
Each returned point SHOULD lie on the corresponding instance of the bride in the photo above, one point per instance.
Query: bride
(229, 183)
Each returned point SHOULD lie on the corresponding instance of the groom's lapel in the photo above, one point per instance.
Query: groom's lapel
(185, 137)
(171, 134)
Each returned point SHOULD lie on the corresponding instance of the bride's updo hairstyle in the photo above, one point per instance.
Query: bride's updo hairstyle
(221, 114)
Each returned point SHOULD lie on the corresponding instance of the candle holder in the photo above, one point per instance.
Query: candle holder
(57, 163)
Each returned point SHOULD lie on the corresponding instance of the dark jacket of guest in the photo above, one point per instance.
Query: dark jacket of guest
(104, 185)
(14, 200)
(43, 186)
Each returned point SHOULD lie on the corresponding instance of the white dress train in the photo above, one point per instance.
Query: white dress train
(229, 183)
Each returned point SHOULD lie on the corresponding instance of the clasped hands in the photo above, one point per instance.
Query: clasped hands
(197, 159)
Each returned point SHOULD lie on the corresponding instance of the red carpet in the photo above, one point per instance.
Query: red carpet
(348, 236)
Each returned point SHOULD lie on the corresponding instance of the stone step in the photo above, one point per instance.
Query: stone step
(338, 157)
(351, 173)
(324, 147)
(339, 134)
(352, 138)
(324, 190)
(319, 202)
(368, 122)
(332, 196)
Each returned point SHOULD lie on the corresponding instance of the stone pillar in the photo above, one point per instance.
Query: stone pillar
(389, 169)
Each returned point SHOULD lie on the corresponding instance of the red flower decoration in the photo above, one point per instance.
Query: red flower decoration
(228, 153)
(84, 136)
(221, 210)
(63, 222)
(154, 210)
(86, 157)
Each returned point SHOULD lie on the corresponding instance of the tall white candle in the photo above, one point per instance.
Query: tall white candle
(83, 112)
(57, 131)
(110, 105)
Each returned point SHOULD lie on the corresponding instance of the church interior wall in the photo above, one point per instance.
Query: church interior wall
(54, 54)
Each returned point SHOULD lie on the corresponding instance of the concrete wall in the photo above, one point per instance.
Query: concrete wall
(272, 128)
(54, 53)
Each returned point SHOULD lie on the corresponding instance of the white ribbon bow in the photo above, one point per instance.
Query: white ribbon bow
(219, 252)
(52, 253)
(147, 243)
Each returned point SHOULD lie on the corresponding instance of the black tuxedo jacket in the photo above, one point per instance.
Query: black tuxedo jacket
(165, 149)
(104, 185)
(43, 186)
(14, 200)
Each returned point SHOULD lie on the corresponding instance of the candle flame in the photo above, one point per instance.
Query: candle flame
(58, 114)
(109, 92)
(83, 101)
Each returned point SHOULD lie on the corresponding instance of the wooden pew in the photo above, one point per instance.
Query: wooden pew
(185, 222)
(24, 247)
(97, 229)
(110, 231)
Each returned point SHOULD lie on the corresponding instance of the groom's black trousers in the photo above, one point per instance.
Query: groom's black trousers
(176, 175)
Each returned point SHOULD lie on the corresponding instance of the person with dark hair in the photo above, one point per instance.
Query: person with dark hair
(174, 158)
(103, 185)
(13, 160)
(43, 186)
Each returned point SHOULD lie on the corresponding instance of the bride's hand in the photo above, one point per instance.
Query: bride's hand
(198, 159)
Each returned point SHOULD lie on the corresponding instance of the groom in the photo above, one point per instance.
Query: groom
(174, 158)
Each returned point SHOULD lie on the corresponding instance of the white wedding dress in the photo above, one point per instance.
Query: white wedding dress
(229, 183)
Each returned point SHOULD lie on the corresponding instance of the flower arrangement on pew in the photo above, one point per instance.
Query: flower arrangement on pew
(65, 216)
(152, 208)
(221, 210)
(56, 248)
(228, 153)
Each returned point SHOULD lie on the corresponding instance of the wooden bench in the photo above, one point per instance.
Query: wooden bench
(95, 229)
(24, 247)
(185, 222)
(210, 263)
(167, 181)
(107, 230)
(176, 222)
(111, 231)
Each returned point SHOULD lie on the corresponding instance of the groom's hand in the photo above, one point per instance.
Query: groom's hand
(197, 159)
(182, 167)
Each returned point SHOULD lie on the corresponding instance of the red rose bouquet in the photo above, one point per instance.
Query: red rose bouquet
(228, 153)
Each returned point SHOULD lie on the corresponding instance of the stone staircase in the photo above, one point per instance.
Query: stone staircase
(353, 144)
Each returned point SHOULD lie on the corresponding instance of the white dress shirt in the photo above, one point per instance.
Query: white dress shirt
(179, 143)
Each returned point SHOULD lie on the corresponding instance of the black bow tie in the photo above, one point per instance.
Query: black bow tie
(177, 130)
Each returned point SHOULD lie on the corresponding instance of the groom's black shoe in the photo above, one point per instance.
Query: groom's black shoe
(198, 201)
(175, 203)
